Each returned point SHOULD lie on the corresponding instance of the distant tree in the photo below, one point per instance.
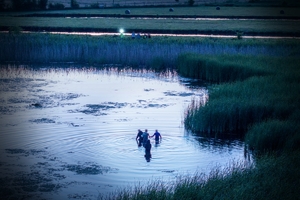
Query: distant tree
(2, 4)
(30, 5)
(57, 6)
(43, 4)
(24, 5)
(74, 4)
(18, 4)
(94, 5)
(191, 2)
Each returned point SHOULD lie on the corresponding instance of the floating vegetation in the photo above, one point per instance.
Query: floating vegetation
(155, 105)
(42, 120)
(89, 168)
(97, 109)
(181, 94)
(25, 152)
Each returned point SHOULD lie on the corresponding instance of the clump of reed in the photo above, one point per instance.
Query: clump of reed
(272, 177)
(235, 106)
(274, 136)
(225, 68)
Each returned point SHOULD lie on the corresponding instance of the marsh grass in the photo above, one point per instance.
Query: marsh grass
(265, 102)
(226, 68)
(157, 52)
(274, 135)
(233, 107)
(272, 177)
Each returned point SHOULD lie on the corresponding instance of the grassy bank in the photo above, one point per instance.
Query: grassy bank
(258, 96)
(272, 178)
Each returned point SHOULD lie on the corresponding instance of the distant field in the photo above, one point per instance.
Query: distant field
(130, 3)
(261, 27)
(208, 11)
(265, 20)
(109, 3)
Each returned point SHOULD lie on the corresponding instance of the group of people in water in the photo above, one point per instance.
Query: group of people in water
(138, 35)
(143, 138)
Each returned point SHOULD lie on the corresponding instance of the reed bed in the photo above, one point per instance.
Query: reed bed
(233, 107)
(272, 178)
(274, 135)
(158, 51)
(218, 69)
(259, 102)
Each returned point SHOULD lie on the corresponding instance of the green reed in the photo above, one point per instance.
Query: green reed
(225, 68)
(274, 135)
(272, 177)
(234, 106)
(157, 52)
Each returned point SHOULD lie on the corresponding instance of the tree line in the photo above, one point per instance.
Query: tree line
(25, 5)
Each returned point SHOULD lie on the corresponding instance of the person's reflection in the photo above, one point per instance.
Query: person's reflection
(148, 151)
(157, 142)
(148, 157)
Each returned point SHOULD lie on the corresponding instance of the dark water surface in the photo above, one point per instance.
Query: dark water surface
(78, 139)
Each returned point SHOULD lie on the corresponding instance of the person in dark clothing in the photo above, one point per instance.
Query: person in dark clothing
(145, 137)
(139, 137)
(148, 151)
(157, 136)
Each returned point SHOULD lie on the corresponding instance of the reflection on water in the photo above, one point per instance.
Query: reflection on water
(70, 132)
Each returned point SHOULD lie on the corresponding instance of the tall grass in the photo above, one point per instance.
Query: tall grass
(271, 178)
(234, 106)
(274, 135)
(161, 51)
(218, 69)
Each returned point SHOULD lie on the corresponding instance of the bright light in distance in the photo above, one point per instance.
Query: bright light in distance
(121, 30)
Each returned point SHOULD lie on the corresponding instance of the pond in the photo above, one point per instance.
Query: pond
(69, 132)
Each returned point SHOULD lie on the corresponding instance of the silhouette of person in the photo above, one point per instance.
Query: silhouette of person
(133, 35)
(139, 137)
(145, 137)
(157, 136)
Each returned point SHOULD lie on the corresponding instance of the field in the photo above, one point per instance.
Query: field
(130, 3)
(184, 20)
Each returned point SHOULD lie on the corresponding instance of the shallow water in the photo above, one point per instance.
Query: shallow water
(78, 140)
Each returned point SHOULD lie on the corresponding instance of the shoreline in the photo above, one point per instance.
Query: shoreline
(207, 33)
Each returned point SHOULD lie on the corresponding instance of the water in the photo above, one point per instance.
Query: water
(78, 139)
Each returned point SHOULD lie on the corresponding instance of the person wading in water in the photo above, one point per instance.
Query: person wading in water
(157, 136)
(139, 137)
(145, 137)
